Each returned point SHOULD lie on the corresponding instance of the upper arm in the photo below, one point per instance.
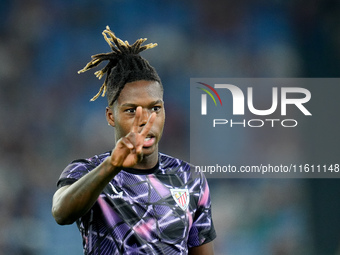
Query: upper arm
(202, 229)
(204, 249)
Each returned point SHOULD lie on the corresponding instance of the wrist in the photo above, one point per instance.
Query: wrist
(110, 167)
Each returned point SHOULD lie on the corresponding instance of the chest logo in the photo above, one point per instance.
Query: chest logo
(182, 197)
(117, 194)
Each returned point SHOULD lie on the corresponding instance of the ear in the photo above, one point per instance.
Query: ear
(110, 116)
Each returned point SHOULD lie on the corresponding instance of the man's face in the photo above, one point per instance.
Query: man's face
(148, 95)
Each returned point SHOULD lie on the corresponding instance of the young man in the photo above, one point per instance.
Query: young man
(134, 200)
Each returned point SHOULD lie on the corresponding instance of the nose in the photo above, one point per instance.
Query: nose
(145, 117)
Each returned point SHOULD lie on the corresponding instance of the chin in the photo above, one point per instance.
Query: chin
(149, 150)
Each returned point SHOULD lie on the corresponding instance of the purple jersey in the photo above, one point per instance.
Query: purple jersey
(163, 210)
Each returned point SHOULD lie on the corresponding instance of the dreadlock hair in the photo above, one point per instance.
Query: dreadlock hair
(125, 65)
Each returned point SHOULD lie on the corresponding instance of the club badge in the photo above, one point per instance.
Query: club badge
(182, 197)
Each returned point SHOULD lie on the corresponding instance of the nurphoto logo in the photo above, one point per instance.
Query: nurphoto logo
(295, 96)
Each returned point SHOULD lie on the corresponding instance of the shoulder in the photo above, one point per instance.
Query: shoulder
(172, 165)
(88, 163)
(168, 162)
(79, 167)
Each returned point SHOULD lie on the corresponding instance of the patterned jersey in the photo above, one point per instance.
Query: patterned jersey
(163, 210)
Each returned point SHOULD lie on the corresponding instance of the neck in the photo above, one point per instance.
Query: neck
(148, 161)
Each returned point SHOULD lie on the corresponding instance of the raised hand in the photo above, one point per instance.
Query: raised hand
(129, 149)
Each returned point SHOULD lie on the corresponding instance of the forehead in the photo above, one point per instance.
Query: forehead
(140, 91)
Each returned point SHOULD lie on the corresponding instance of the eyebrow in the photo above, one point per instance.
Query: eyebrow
(135, 105)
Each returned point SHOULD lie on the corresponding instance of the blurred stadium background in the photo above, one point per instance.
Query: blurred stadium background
(47, 119)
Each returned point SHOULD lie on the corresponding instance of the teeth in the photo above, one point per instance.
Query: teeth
(147, 138)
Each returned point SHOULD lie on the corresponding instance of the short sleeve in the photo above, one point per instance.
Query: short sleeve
(202, 230)
(74, 172)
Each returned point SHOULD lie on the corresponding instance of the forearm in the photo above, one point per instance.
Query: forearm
(72, 202)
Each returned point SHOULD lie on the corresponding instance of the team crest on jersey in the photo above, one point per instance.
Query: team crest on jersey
(182, 197)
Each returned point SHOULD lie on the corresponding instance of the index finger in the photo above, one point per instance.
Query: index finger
(135, 125)
(148, 125)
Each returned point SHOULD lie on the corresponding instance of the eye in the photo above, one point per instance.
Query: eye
(130, 110)
(156, 108)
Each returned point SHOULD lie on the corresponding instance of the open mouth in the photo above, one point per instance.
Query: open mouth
(149, 141)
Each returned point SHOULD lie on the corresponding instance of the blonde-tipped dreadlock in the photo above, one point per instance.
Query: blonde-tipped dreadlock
(125, 65)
